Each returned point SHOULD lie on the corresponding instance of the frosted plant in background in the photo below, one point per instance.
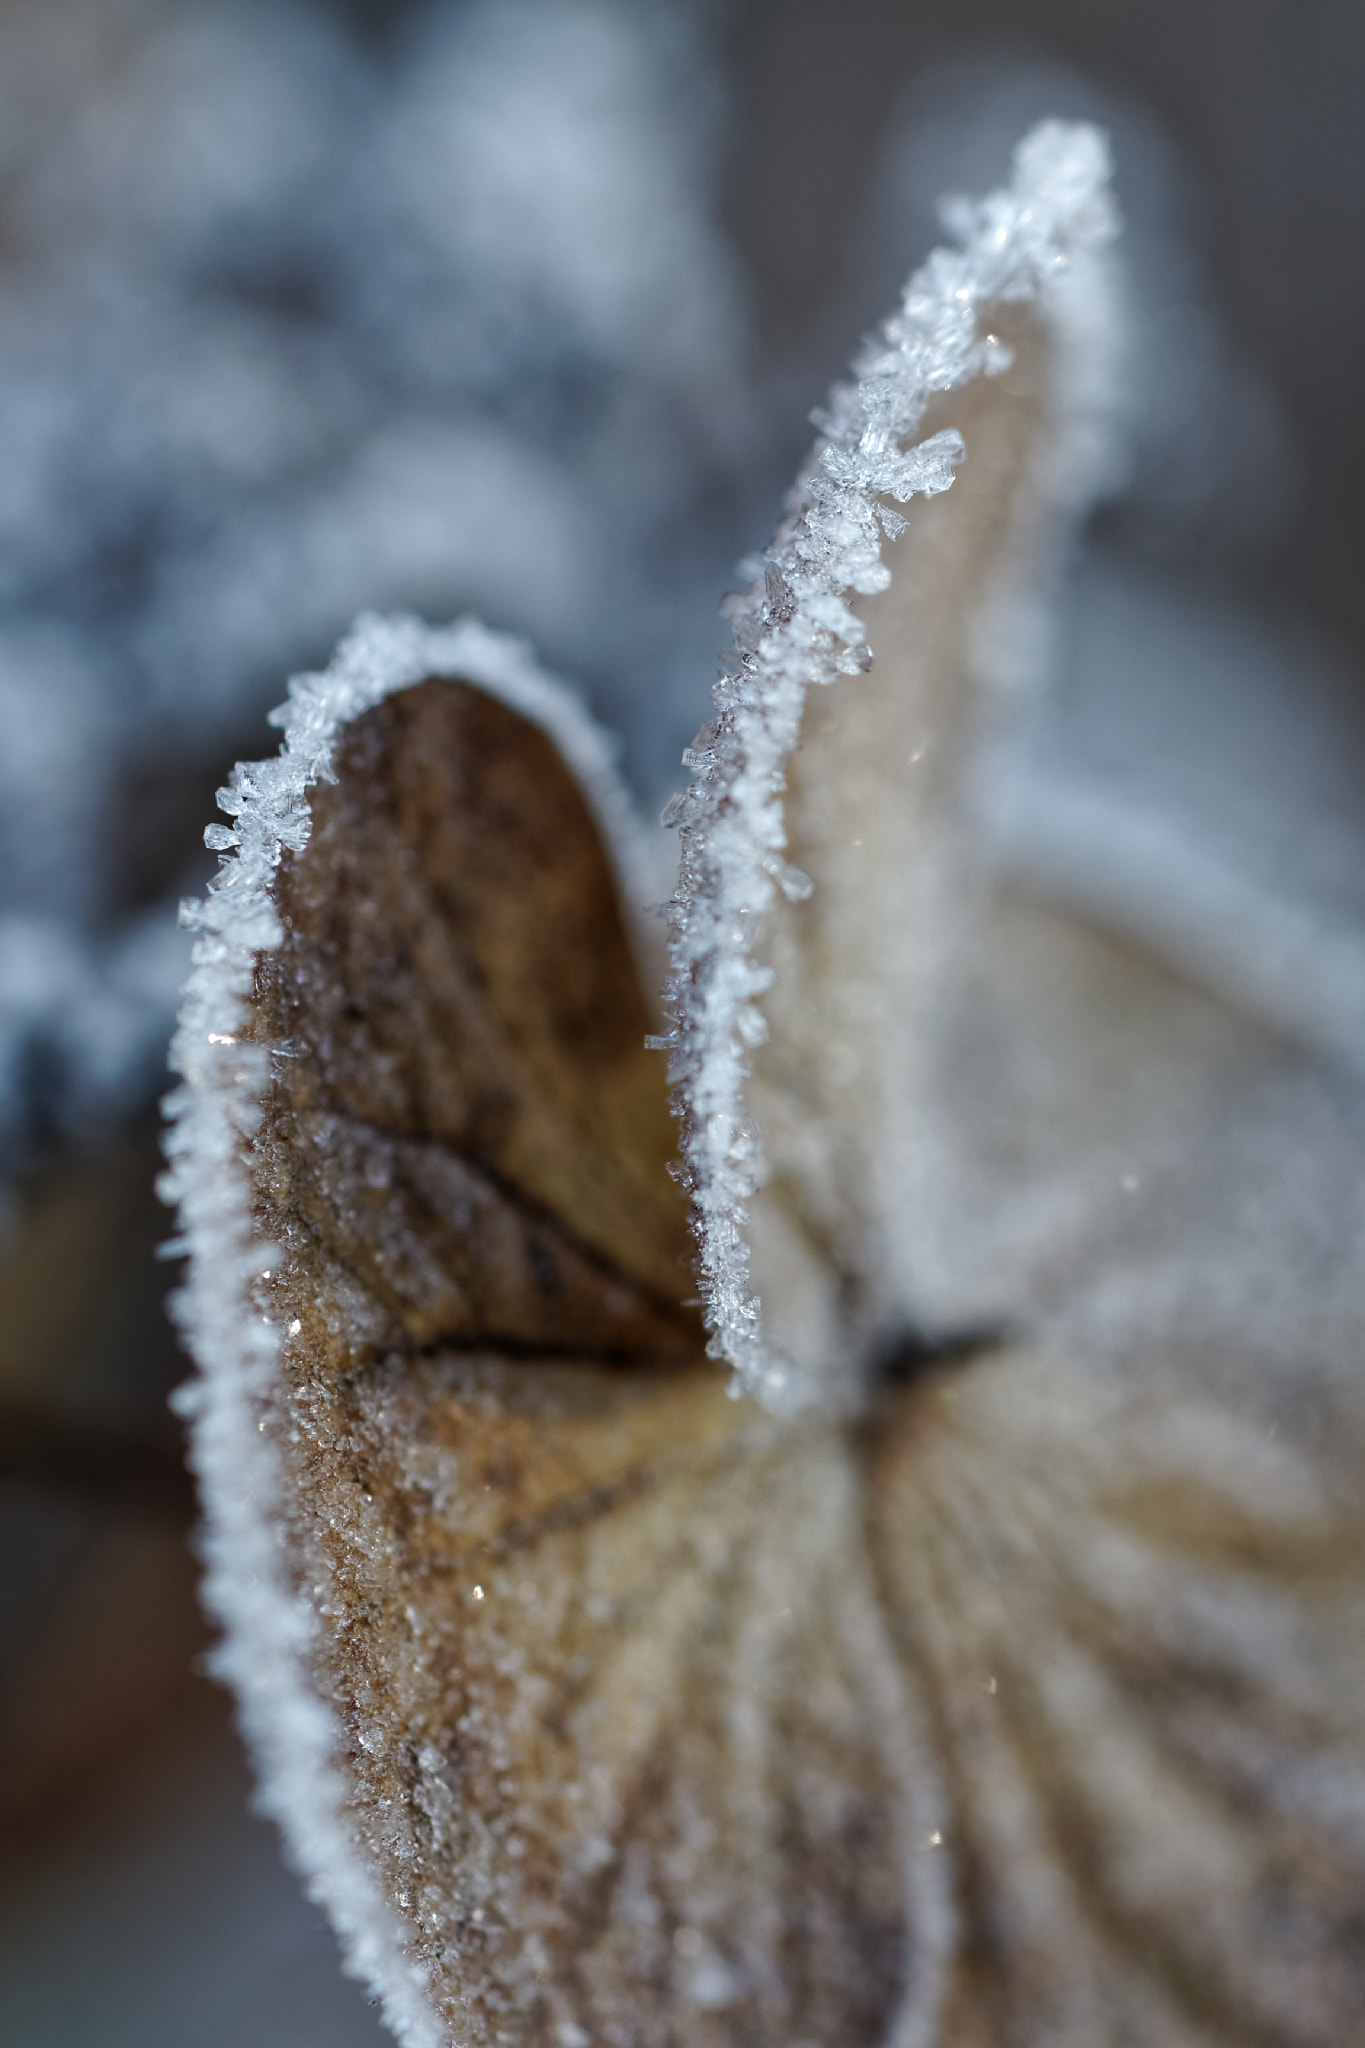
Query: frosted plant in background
(284, 320)
(995, 1675)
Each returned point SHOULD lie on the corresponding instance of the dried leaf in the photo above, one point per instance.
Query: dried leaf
(993, 1677)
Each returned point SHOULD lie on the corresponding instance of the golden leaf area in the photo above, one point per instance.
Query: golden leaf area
(1015, 1703)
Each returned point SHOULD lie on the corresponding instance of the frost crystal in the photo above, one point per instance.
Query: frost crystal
(1040, 242)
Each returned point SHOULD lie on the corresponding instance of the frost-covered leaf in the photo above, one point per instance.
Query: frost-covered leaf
(860, 785)
(988, 1671)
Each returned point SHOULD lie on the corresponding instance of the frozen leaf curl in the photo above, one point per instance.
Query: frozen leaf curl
(824, 780)
(993, 1676)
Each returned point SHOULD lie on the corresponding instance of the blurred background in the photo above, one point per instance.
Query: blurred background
(522, 306)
